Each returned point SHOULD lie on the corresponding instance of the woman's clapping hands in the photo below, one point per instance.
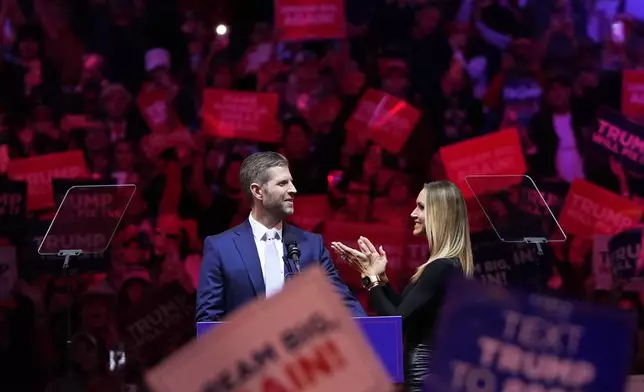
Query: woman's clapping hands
(369, 261)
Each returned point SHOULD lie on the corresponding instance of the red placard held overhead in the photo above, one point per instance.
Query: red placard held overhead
(591, 210)
(498, 154)
(389, 120)
(299, 20)
(39, 171)
(155, 109)
(241, 115)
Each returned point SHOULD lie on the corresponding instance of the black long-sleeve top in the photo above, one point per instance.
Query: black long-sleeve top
(420, 303)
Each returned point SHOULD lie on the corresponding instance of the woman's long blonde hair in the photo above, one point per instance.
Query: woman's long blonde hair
(447, 226)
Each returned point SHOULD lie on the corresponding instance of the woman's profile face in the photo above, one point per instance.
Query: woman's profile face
(418, 214)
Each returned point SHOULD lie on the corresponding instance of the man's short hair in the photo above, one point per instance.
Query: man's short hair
(254, 169)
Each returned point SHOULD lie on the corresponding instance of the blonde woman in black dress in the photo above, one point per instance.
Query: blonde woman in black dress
(441, 215)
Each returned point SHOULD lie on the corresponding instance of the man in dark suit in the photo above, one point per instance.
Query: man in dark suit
(251, 260)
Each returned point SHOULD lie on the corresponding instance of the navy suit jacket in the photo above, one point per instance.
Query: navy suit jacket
(231, 274)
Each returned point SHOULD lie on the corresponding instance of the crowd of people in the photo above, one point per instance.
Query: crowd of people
(78, 76)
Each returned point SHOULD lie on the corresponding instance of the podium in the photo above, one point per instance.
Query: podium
(383, 333)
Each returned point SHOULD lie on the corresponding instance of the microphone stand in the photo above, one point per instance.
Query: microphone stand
(296, 261)
(293, 253)
(288, 266)
(67, 254)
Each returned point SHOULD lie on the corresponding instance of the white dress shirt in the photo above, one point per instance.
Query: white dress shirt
(259, 231)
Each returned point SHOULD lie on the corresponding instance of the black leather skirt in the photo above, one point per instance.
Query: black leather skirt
(418, 366)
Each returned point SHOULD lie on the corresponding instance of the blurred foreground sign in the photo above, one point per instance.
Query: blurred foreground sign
(491, 339)
(302, 339)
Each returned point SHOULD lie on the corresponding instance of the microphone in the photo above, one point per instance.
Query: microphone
(292, 250)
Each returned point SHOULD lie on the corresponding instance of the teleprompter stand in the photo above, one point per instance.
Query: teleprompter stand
(85, 223)
(516, 210)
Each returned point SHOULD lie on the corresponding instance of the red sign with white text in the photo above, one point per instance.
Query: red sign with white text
(299, 20)
(633, 93)
(389, 120)
(590, 210)
(39, 171)
(241, 115)
(155, 109)
(498, 154)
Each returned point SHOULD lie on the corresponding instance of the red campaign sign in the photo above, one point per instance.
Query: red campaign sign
(155, 109)
(633, 93)
(241, 115)
(298, 20)
(499, 153)
(388, 119)
(405, 252)
(39, 171)
(160, 324)
(310, 211)
(591, 210)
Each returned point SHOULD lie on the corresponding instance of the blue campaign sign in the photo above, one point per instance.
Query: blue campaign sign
(491, 339)
(523, 95)
(625, 254)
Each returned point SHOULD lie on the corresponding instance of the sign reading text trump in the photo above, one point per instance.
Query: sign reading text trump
(496, 154)
(589, 210)
(491, 339)
(241, 115)
(620, 138)
(302, 339)
(299, 20)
